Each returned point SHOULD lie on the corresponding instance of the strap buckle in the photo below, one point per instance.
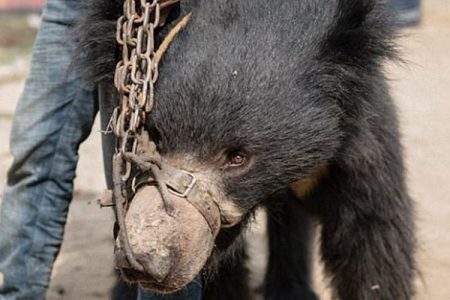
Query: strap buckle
(187, 188)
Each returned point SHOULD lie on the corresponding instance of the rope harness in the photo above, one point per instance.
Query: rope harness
(136, 160)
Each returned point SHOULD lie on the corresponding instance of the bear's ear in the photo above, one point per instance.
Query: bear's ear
(361, 34)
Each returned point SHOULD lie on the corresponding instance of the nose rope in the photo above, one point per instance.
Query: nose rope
(152, 162)
(120, 215)
(149, 163)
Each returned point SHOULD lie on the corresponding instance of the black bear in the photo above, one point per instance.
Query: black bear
(286, 103)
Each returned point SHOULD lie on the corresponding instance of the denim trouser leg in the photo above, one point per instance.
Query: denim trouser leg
(54, 115)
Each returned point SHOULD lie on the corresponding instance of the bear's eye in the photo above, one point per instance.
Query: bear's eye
(236, 159)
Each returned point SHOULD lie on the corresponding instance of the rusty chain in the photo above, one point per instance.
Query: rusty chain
(134, 79)
(135, 75)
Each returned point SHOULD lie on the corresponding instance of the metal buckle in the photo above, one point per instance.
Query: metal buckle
(188, 188)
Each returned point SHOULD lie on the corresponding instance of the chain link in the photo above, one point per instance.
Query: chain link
(134, 79)
(135, 74)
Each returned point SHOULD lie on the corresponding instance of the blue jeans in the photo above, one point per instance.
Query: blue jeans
(407, 11)
(54, 115)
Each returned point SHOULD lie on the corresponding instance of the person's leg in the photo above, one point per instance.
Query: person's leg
(407, 12)
(54, 115)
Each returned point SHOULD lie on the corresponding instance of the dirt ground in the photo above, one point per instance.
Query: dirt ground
(421, 88)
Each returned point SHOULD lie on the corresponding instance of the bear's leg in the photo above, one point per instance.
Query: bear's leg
(290, 235)
(368, 231)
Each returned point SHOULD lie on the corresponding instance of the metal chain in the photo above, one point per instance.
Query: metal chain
(135, 74)
(134, 79)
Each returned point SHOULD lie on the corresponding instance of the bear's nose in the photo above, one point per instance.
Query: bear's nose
(155, 270)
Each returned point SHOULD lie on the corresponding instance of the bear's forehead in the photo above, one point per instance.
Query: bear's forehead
(244, 61)
(224, 84)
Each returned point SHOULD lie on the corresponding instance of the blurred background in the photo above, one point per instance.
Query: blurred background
(421, 88)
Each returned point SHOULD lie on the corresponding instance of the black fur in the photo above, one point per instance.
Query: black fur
(296, 84)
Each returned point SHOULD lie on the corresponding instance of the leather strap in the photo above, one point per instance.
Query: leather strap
(184, 185)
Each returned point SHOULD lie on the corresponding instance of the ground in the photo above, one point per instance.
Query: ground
(421, 88)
